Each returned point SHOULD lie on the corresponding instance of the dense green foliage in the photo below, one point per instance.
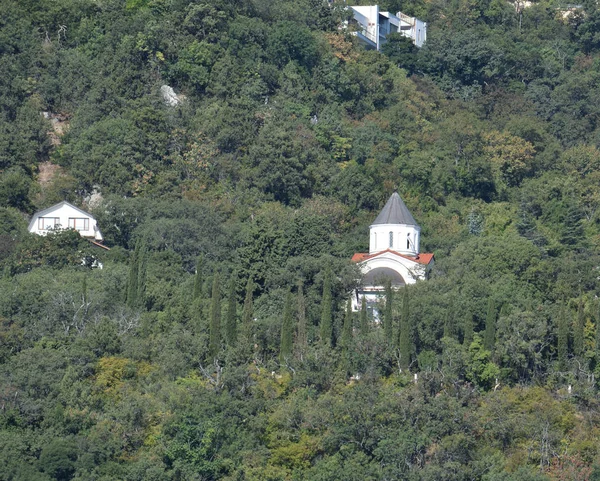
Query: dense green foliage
(249, 197)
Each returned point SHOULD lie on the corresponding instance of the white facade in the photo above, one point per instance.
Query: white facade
(401, 238)
(393, 254)
(65, 216)
(375, 26)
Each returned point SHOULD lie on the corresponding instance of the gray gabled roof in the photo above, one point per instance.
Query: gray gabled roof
(395, 212)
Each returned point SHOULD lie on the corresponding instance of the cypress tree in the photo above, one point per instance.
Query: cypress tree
(136, 281)
(198, 279)
(388, 323)
(248, 312)
(563, 337)
(215, 319)
(578, 332)
(597, 339)
(449, 322)
(84, 291)
(326, 327)
(347, 327)
(572, 228)
(364, 321)
(142, 271)
(132, 279)
(231, 321)
(490, 326)
(468, 329)
(287, 330)
(302, 338)
(404, 341)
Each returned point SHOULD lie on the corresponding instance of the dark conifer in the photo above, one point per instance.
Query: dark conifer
(326, 327)
(563, 337)
(347, 327)
(388, 323)
(572, 227)
(302, 337)
(490, 326)
(364, 320)
(136, 281)
(215, 318)
(597, 336)
(578, 331)
(404, 343)
(231, 321)
(449, 321)
(142, 273)
(198, 279)
(468, 329)
(287, 329)
(248, 313)
(132, 279)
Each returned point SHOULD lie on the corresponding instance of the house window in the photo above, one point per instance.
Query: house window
(391, 240)
(45, 223)
(79, 223)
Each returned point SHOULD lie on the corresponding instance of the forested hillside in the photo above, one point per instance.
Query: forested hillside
(216, 342)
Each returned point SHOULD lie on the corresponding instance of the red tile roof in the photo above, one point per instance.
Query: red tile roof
(421, 258)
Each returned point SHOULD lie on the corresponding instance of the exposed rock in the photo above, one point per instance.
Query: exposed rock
(60, 124)
(170, 97)
(94, 199)
(47, 172)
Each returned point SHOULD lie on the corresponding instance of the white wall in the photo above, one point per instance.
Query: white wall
(63, 217)
(380, 238)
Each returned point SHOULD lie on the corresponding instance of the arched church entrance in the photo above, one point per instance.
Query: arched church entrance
(380, 275)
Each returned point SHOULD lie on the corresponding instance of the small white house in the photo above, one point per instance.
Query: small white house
(65, 216)
(374, 26)
(393, 253)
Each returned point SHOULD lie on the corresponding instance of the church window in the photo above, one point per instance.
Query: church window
(408, 241)
(391, 240)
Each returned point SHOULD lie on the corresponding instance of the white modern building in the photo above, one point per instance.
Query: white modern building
(393, 253)
(65, 216)
(374, 26)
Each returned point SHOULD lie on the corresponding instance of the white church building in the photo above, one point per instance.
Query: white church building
(393, 253)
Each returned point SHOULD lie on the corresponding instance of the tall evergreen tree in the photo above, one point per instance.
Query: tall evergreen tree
(136, 281)
(450, 321)
(347, 327)
(388, 323)
(287, 329)
(490, 326)
(231, 320)
(142, 273)
(572, 228)
(248, 312)
(302, 337)
(597, 337)
(404, 338)
(215, 318)
(578, 331)
(84, 290)
(132, 279)
(563, 337)
(326, 327)
(198, 278)
(364, 320)
(468, 329)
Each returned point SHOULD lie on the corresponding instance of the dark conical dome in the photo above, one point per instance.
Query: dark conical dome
(395, 212)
